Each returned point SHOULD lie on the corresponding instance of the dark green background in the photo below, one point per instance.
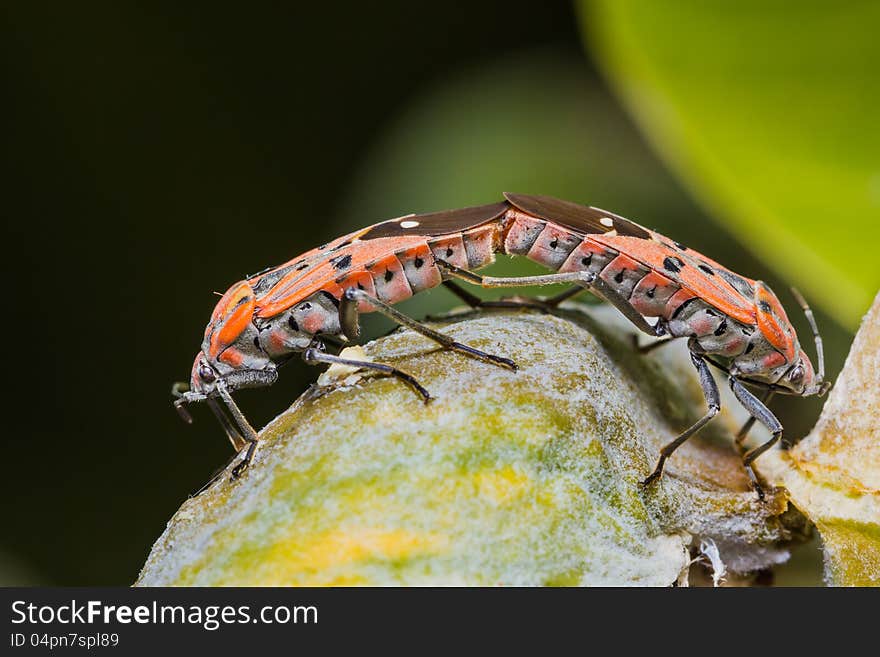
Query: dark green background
(156, 154)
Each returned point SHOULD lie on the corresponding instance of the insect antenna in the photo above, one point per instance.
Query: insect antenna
(820, 351)
(180, 399)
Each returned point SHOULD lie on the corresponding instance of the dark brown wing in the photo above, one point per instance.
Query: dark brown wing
(579, 218)
(436, 223)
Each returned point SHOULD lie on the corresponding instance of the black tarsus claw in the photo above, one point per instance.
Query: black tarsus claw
(239, 469)
(755, 483)
(507, 361)
(425, 395)
(651, 478)
(759, 491)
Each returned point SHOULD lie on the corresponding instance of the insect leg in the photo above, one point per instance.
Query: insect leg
(314, 356)
(536, 304)
(563, 296)
(476, 302)
(651, 346)
(248, 434)
(763, 414)
(583, 279)
(470, 299)
(713, 399)
(354, 295)
(744, 430)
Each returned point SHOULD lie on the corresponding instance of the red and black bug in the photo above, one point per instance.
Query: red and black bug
(732, 322)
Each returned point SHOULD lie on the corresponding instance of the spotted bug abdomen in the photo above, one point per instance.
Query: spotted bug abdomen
(420, 268)
(521, 233)
(623, 274)
(389, 279)
(481, 244)
(553, 246)
(652, 293)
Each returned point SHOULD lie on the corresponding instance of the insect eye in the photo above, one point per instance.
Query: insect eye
(206, 374)
(796, 374)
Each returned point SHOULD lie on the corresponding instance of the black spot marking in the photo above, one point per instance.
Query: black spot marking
(706, 269)
(339, 246)
(750, 346)
(764, 307)
(650, 293)
(418, 262)
(680, 246)
(672, 264)
(306, 306)
(330, 298)
(722, 327)
(585, 261)
(342, 262)
(243, 301)
(709, 311)
(292, 322)
(257, 342)
(554, 243)
(738, 283)
(681, 307)
(619, 276)
(449, 252)
(388, 275)
(302, 266)
(360, 286)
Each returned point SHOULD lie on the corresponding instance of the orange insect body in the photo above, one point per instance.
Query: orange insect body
(732, 322)
(279, 311)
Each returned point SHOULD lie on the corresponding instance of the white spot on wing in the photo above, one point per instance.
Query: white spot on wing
(607, 221)
(409, 224)
(611, 233)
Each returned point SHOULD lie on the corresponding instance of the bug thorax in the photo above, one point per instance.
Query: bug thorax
(231, 339)
(295, 329)
(231, 352)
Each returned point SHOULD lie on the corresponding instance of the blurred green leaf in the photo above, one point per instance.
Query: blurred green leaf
(769, 112)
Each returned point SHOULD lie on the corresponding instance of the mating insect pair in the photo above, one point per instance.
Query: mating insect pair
(731, 322)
